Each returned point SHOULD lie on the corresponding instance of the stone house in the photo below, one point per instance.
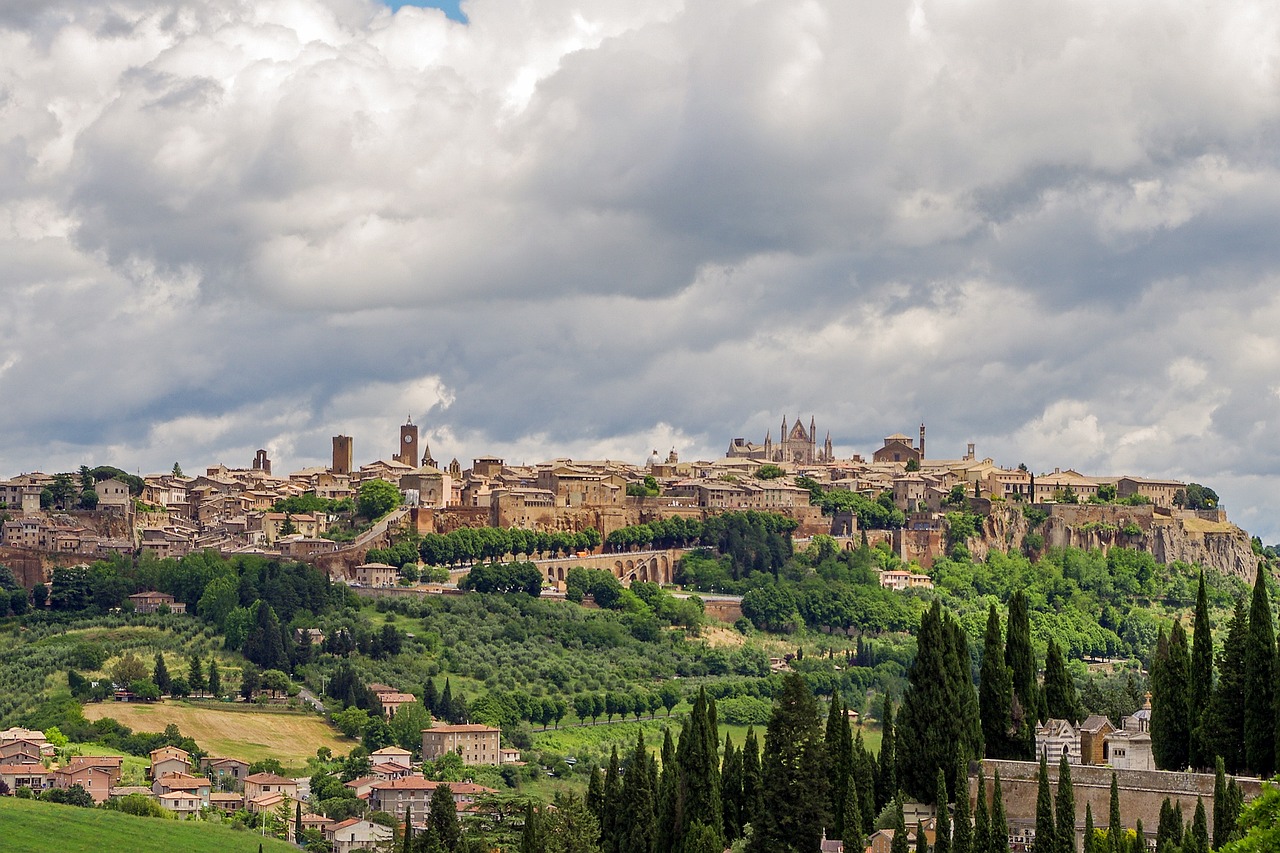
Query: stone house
(476, 744)
(357, 834)
(169, 759)
(183, 804)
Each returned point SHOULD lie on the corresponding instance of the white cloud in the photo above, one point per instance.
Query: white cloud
(561, 230)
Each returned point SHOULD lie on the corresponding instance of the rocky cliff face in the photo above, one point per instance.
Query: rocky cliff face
(1207, 539)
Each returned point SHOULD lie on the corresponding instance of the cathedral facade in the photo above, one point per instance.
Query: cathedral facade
(795, 445)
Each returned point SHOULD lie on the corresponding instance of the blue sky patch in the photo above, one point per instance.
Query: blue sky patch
(451, 8)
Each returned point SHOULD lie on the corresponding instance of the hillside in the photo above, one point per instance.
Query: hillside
(29, 826)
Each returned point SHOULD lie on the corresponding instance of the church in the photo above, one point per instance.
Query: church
(796, 446)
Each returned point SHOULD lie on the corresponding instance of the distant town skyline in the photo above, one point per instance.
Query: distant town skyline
(559, 230)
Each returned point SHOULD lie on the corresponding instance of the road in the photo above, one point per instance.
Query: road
(311, 699)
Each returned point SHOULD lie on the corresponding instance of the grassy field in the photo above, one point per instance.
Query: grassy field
(244, 734)
(35, 827)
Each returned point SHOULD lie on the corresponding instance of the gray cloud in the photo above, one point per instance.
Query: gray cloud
(553, 231)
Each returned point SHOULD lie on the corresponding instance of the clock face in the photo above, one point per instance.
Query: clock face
(408, 439)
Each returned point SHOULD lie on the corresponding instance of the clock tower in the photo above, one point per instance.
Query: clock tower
(408, 454)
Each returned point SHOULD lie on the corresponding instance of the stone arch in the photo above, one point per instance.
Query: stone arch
(560, 572)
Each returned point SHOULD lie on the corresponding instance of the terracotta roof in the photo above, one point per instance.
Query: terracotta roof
(409, 783)
(466, 727)
(269, 779)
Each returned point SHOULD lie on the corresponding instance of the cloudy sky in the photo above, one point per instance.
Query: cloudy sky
(596, 229)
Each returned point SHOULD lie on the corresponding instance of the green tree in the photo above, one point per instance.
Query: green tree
(697, 756)
(995, 693)
(962, 834)
(999, 823)
(531, 839)
(731, 790)
(639, 818)
(981, 842)
(1224, 721)
(942, 836)
(263, 645)
(1115, 827)
(1226, 805)
(795, 781)
(899, 843)
(1059, 687)
(1065, 810)
(1170, 691)
(570, 827)
(1259, 658)
(887, 778)
(1046, 840)
(160, 674)
(939, 708)
(215, 679)
(1201, 681)
(195, 673)
(669, 789)
(752, 779)
(1199, 829)
(376, 498)
(1090, 834)
(442, 818)
(1021, 660)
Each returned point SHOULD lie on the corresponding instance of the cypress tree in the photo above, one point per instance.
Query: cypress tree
(1201, 680)
(160, 674)
(922, 840)
(1059, 688)
(445, 705)
(864, 770)
(1169, 829)
(999, 830)
(668, 792)
(215, 679)
(442, 818)
(1021, 659)
(1200, 829)
(1178, 826)
(1046, 840)
(595, 795)
(195, 673)
(1139, 838)
(612, 804)
(995, 691)
(837, 767)
(530, 836)
(962, 832)
(939, 712)
(699, 781)
(794, 775)
(899, 842)
(1224, 724)
(1065, 809)
(1223, 821)
(752, 779)
(981, 842)
(853, 813)
(942, 836)
(1115, 828)
(731, 790)
(637, 818)
(1259, 659)
(1170, 691)
(297, 822)
(430, 700)
(887, 780)
(1090, 834)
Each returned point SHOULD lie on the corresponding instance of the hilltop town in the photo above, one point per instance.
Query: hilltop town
(246, 510)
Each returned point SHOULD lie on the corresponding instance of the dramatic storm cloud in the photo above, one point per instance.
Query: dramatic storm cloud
(593, 230)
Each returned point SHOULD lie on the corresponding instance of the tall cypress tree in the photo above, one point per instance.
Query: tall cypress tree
(1090, 834)
(1223, 822)
(731, 790)
(995, 691)
(795, 780)
(1259, 660)
(215, 679)
(1224, 724)
(922, 839)
(942, 835)
(962, 829)
(668, 792)
(595, 795)
(1115, 827)
(999, 831)
(1021, 660)
(612, 804)
(1065, 809)
(939, 709)
(699, 764)
(1059, 687)
(864, 770)
(981, 819)
(837, 767)
(1167, 830)
(1201, 680)
(1170, 691)
(752, 779)
(430, 699)
(1046, 840)
(530, 837)
(160, 674)
(637, 816)
(1200, 829)
(899, 843)
(887, 779)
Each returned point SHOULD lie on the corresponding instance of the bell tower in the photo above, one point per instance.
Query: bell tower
(408, 454)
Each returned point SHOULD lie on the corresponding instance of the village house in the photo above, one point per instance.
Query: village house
(900, 579)
(476, 744)
(181, 803)
(183, 783)
(22, 752)
(222, 769)
(96, 774)
(357, 834)
(169, 759)
(228, 802)
(265, 791)
(152, 601)
(31, 775)
(396, 796)
(376, 574)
